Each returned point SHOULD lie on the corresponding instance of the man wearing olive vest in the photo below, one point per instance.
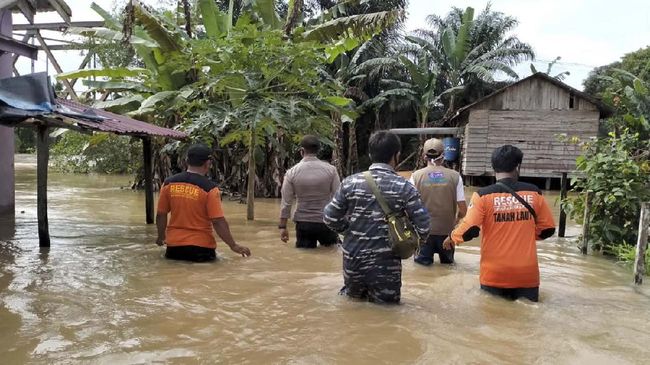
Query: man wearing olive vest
(443, 196)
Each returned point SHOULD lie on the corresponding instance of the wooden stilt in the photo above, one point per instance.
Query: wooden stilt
(548, 183)
(563, 191)
(585, 225)
(642, 244)
(42, 161)
(148, 178)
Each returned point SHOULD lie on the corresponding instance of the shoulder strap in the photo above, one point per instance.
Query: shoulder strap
(518, 197)
(375, 191)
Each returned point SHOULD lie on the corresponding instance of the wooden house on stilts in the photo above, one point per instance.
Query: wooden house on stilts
(537, 114)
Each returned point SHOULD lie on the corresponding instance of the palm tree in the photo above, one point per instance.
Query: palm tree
(470, 52)
(560, 76)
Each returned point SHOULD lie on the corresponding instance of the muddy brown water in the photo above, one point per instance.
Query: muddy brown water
(104, 294)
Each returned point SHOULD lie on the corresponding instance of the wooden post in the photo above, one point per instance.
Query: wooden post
(250, 191)
(148, 178)
(585, 225)
(42, 161)
(642, 244)
(563, 192)
(548, 183)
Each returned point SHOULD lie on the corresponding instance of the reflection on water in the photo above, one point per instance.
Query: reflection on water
(103, 294)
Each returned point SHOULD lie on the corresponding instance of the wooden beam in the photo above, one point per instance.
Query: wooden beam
(148, 179)
(56, 65)
(424, 131)
(25, 39)
(563, 192)
(642, 244)
(62, 9)
(81, 66)
(10, 45)
(59, 26)
(27, 9)
(42, 161)
(16, 73)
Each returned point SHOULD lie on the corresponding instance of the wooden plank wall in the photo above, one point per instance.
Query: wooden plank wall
(531, 116)
(537, 133)
(475, 142)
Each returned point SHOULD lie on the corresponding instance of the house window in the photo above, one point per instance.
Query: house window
(572, 101)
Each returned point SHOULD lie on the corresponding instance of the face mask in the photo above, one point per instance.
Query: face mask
(434, 160)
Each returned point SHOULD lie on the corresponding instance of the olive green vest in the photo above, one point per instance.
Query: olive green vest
(437, 186)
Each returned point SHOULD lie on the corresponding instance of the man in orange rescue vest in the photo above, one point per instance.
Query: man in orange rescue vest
(195, 205)
(511, 225)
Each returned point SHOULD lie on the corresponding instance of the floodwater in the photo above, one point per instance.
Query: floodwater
(104, 294)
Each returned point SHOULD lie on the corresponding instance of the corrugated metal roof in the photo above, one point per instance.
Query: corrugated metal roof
(120, 124)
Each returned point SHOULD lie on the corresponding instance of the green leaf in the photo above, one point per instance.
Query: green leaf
(462, 40)
(121, 105)
(168, 42)
(115, 85)
(113, 72)
(110, 35)
(109, 21)
(362, 26)
(419, 78)
(449, 43)
(215, 21)
(266, 11)
(338, 100)
(640, 87)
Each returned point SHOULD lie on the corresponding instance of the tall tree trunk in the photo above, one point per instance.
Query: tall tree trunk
(338, 155)
(188, 17)
(377, 122)
(295, 11)
(250, 192)
(452, 106)
(353, 152)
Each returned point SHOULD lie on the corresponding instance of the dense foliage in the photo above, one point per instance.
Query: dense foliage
(251, 77)
(100, 153)
(617, 168)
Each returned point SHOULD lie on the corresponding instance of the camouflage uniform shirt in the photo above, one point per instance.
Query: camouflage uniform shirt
(370, 269)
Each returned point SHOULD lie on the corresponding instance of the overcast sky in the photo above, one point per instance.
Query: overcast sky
(585, 33)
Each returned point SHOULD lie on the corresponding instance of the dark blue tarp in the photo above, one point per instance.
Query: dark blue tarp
(30, 96)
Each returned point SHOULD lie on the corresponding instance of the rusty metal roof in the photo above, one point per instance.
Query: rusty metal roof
(115, 123)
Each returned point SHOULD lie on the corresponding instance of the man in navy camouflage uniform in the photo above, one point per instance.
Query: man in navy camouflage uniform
(370, 269)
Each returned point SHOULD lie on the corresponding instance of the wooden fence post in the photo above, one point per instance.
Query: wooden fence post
(585, 225)
(642, 244)
(563, 192)
(148, 179)
(42, 161)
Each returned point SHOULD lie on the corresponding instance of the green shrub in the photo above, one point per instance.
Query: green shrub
(100, 153)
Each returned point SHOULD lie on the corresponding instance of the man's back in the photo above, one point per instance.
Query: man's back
(313, 183)
(508, 244)
(438, 187)
(193, 201)
(367, 224)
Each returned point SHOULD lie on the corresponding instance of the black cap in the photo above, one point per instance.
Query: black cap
(197, 154)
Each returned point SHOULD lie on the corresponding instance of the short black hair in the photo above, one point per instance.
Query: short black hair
(197, 154)
(310, 144)
(506, 158)
(382, 146)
